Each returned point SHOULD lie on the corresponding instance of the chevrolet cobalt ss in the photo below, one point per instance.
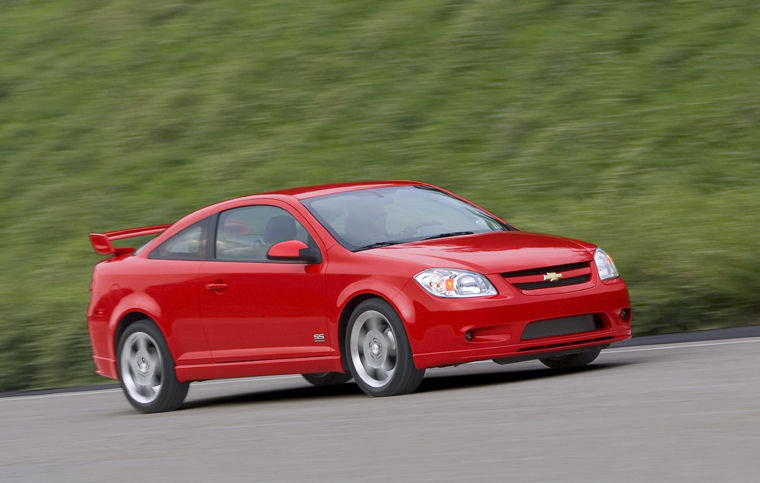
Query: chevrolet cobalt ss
(371, 281)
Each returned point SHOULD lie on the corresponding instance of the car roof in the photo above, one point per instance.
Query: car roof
(329, 189)
(301, 193)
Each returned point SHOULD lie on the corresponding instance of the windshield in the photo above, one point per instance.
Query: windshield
(371, 218)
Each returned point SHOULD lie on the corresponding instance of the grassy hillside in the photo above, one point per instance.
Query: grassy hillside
(635, 125)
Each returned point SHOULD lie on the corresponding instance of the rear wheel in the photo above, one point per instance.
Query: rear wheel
(377, 351)
(146, 370)
(327, 378)
(572, 360)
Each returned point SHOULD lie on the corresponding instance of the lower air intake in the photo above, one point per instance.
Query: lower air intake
(562, 326)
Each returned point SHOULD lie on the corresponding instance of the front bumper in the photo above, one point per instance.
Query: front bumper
(454, 331)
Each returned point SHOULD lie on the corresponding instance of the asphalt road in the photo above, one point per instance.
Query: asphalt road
(667, 412)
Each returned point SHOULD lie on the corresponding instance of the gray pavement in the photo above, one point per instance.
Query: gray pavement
(666, 412)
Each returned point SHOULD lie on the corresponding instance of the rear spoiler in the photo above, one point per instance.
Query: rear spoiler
(101, 242)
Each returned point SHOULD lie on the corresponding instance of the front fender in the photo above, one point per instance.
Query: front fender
(387, 290)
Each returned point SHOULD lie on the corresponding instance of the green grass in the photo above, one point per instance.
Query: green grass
(634, 125)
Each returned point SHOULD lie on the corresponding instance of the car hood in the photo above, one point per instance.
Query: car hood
(494, 252)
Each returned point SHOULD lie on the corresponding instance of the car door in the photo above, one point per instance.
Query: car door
(173, 284)
(254, 308)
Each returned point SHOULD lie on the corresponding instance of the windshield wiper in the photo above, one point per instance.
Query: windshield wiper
(378, 245)
(451, 233)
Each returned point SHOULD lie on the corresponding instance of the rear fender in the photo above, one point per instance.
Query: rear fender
(136, 303)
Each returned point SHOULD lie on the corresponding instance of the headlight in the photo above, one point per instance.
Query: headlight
(443, 282)
(604, 265)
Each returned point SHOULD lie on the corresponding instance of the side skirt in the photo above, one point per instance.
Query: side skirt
(223, 370)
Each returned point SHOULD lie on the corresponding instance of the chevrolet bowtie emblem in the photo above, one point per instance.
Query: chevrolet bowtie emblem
(552, 276)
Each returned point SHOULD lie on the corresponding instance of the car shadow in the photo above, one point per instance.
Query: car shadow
(299, 393)
(461, 381)
(431, 383)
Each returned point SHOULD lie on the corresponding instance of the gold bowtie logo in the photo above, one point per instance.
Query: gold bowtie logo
(552, 276)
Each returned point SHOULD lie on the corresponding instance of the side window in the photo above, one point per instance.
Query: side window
(246, 233)
(188, 244)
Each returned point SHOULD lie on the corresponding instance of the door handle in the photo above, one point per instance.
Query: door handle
(216, 287)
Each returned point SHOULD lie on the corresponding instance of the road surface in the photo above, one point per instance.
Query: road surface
(667, 412)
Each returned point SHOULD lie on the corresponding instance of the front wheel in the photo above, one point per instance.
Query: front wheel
(572, 360)
(146, 370)
(377, 351)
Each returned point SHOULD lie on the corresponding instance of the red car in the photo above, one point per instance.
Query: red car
(371, 281)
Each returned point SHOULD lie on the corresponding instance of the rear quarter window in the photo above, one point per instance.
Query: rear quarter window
(188, 244)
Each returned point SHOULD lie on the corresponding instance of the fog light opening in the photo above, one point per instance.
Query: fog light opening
(468, 336)
(625, 315)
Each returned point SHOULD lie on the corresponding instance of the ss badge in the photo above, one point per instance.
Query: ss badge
(319, 337)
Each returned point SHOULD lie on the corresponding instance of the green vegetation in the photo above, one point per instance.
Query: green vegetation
(635, 125)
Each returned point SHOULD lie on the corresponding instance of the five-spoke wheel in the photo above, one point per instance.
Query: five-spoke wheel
(146, 369)
(142, 372)
(378, 352)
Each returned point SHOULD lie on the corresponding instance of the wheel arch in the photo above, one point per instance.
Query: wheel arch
(125, 321)
(350, 306)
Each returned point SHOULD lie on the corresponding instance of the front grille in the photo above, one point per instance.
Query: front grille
(541, 271)
(548, 284)
(533, 279)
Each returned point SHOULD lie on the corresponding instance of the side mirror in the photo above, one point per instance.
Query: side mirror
(294, 251)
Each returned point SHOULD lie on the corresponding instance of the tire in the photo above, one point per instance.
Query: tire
(146, 370)
(327, 378)
(570, 361)
(377, 351)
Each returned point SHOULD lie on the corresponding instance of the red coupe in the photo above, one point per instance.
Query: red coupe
(371, 281)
